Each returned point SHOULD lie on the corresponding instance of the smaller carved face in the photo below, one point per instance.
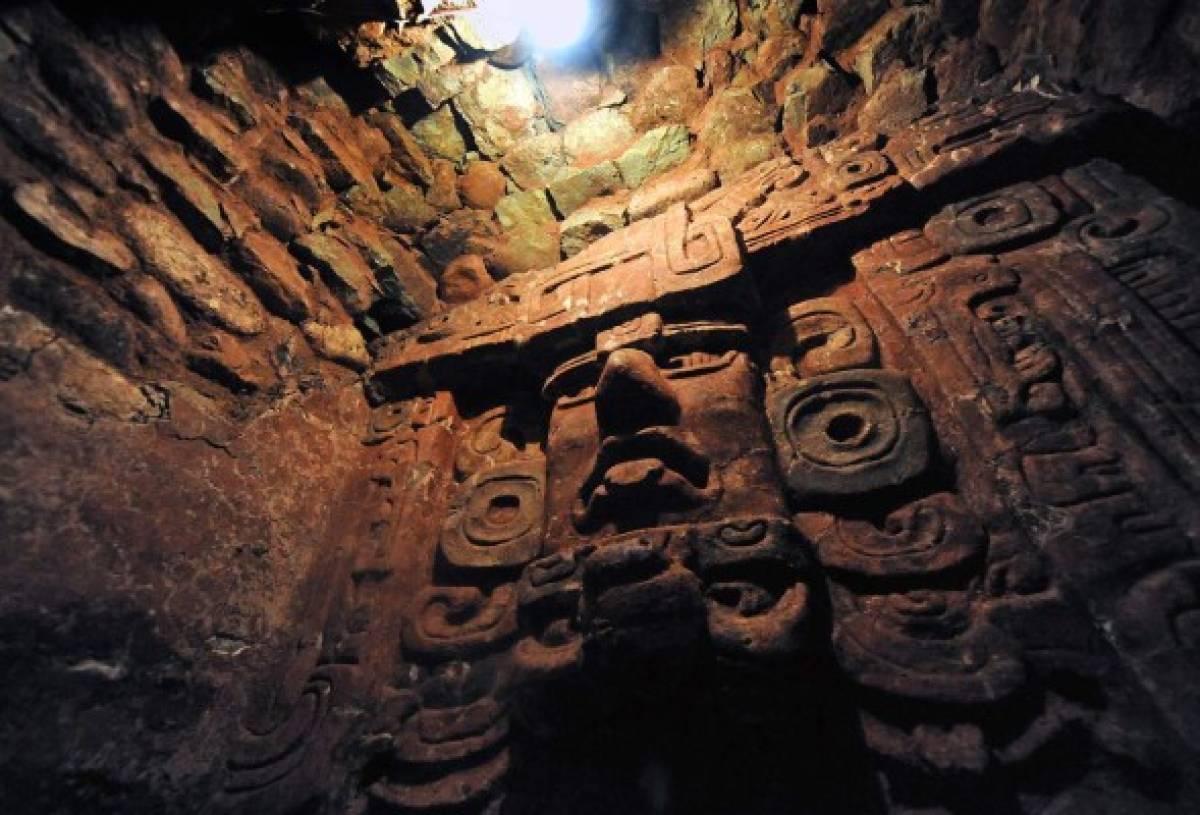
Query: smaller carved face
(660, 425)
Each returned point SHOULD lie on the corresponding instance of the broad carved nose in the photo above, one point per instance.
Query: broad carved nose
(632, 394)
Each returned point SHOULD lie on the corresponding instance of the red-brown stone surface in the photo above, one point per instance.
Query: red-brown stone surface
(769, 407)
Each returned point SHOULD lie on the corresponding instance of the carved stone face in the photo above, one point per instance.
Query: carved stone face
(660, 425)
(663, 493)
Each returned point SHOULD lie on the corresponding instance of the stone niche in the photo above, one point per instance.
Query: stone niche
(774, 407)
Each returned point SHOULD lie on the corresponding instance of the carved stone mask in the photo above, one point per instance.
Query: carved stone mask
(661, 424)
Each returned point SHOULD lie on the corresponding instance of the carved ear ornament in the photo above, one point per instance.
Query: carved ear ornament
(848, 433)
(496, 521)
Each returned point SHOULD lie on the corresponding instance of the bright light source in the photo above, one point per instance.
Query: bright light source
(496, 22)
(551, 25)
(555, 24)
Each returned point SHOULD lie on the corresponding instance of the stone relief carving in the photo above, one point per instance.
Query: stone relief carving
(496, 520)
(926, 538)
(673, 261)
(930, 487)
(1045, 334)
(822, 336)
(849, 433)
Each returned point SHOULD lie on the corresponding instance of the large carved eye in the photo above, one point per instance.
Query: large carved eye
(574, 381)
(694, 362)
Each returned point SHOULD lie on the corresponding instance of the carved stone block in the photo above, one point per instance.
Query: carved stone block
(733, 200)
(822, 336)
(449, 748)
(795, 213)
(640, 604)
(924, 539)
(460, 621)
(263, 757)
(849, 170)
(496, 519)
(924, 645)
(966, 133)
(993, 222)
(497, 436)
(1158, 621)
(435, 736)
(549, 594)
(848, 433)
(630, 543)
(1066, 354)
(756, 575)
(671, 261)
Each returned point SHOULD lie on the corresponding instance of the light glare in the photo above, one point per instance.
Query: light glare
(555, 24)
(496, 22)
(551, 25)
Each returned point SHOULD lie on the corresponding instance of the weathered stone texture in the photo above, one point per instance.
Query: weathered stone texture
(588, 224)
(198, 278)
(482, 185)
(913, 404)
(770, 407)
(656, 152)
(152, 562)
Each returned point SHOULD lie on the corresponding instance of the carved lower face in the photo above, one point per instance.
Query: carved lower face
(661, 425)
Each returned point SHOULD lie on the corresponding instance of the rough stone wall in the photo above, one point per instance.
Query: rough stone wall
(153, 552)
(670, 96)
(179, 409)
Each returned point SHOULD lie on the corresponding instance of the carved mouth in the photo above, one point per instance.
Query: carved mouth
(655, 469)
